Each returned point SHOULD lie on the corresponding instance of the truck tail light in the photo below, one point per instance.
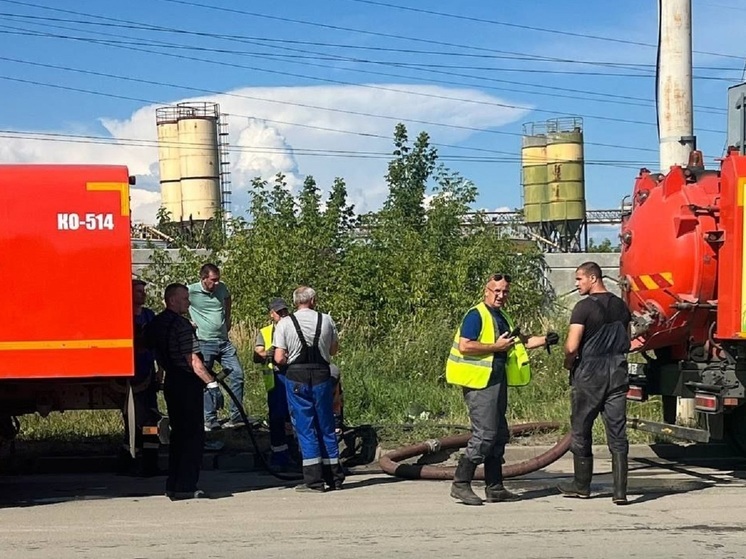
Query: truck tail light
(707, 403)
(636, 393)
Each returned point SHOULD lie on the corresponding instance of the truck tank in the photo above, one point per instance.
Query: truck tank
(683, 277)
(668, 265)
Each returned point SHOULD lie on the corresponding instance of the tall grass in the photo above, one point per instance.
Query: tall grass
(399, 380)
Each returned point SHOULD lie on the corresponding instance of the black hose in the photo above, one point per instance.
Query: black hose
(247, 424)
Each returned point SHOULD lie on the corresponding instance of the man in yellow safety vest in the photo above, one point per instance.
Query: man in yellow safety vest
(274, 382)
(488, 355)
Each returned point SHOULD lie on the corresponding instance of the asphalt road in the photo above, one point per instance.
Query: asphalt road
(695, 508)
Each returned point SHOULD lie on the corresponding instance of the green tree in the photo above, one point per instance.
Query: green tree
(409, 259)
(604, 246)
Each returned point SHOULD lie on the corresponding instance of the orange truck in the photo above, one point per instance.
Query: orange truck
(66, 336)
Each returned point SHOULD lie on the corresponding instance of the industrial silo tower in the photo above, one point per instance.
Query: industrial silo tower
(565, 182)
(534, 175)
(193, 161)
(168, 160)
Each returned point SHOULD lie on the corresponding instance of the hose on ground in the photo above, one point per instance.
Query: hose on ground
(250, 431)
(389, 462)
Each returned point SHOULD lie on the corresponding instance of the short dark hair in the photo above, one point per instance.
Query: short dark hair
(171, 289)
(208, 269)
(498, 277)
(138, 281)
(590, 269)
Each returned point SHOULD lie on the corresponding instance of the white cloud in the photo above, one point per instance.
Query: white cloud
(271, 141)
(144, 204)
(277, 157)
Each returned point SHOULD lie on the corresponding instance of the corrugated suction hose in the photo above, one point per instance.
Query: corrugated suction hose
(389, 462)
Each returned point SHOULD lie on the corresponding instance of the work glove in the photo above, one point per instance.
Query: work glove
(270, 358)
(552, 338)
(215, 395)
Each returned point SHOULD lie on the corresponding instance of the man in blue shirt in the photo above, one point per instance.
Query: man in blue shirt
(488, 353)
(210, 311)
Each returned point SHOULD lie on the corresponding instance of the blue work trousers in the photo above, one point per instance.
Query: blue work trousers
(313, 419)
(224, 353)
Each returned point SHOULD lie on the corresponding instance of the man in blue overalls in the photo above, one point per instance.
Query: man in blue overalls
(305, 341)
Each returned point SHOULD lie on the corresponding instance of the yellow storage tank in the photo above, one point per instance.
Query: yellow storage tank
(199, 160)
(168, 161)
(565, 176)
(534, 173)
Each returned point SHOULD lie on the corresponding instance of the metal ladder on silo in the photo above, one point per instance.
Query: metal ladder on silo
(225, 172)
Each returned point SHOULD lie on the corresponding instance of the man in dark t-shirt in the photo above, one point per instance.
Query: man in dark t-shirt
(172, 338)
(596, 355)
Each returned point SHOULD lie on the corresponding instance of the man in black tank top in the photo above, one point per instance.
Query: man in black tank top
(596, 356)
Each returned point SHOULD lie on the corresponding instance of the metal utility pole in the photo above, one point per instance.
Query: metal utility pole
(675, 119)
(675, 116)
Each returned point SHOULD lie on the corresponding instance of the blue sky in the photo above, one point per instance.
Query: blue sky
(317, 87)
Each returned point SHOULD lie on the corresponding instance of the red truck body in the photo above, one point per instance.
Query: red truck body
(65, 233)
(67, 332)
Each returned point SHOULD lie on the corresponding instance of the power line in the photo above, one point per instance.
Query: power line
(365, 86)
(526, 57)
(269, 150)
(726, 7)
(263, 99)
(341, 82)
(496, 53)
(365, 31)
(365, 134)
(521, 26)
(140, 26)
(354, 112)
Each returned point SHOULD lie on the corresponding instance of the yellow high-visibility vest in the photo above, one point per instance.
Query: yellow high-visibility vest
(269, 372)
(473, 371)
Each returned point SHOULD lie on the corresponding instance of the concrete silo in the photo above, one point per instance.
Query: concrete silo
(565, 181)
(166, 119)
(193, 161)
(199, 159)
(534, 173)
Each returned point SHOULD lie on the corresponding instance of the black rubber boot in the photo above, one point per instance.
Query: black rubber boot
(619, 474)
(461, 487)
(495, 491)
(334, 476)
(580, 486)
(313, 478)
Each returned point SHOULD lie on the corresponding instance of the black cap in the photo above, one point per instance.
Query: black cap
(277, 304)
